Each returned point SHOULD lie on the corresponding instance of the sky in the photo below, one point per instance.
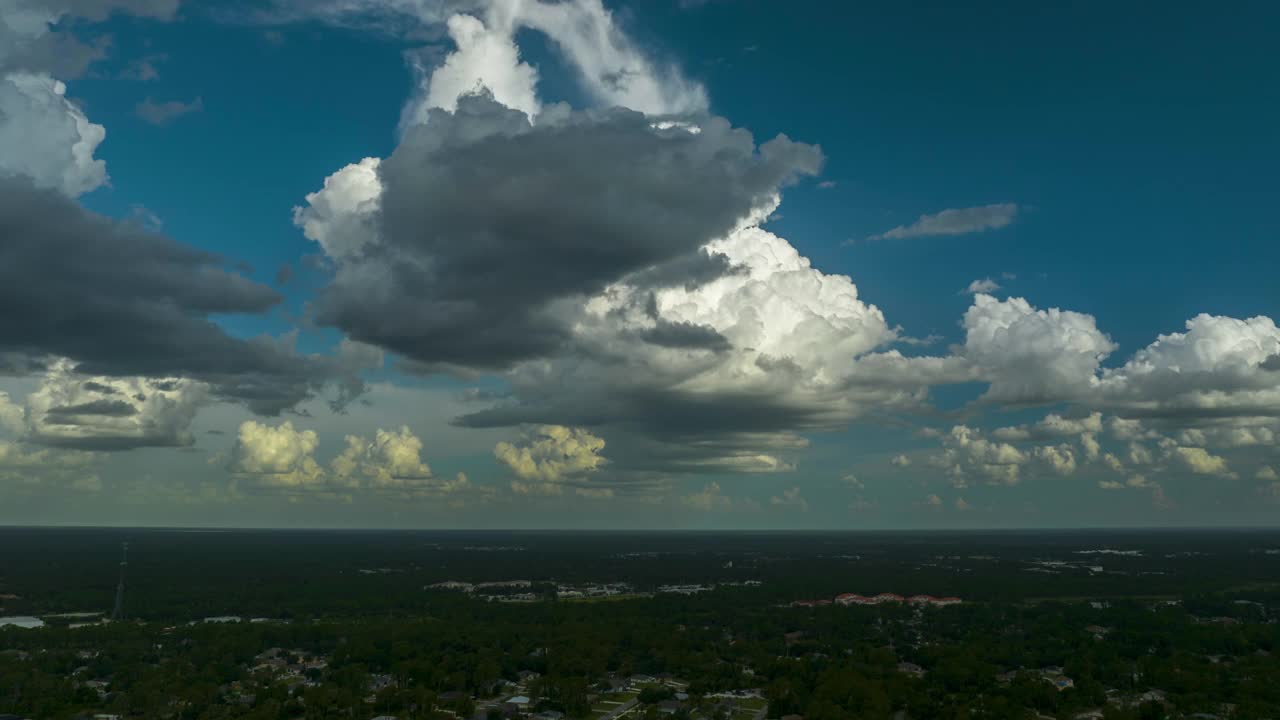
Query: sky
(677, 264)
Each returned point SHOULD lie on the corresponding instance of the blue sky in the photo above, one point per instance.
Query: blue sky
(1134, 153)
(1140, 143)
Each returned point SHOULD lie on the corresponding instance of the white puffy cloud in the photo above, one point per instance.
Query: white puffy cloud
(1012, 433)
(777, 306)
(43, 135)
(339, 215)
(277, 457)
(933, 501)
(1052, 426)
(1139, 454)
(1060, 458)
(1229, 436)
(611, 67)
(282, 457)
(1057, 426)
(551, 455)
(1201, 461)
(1030, 355)
(111, 413)
(1092, 448)
(962, 505)
(392, 460)
(1218, 368)
(1129, 429)
(708, 499)
(1213, 386)
(46, 137)
(790, 498)
(775, 347)
(901, 461)
(1212, 343)
(967, 452)
(1266, 472)
(486, 58)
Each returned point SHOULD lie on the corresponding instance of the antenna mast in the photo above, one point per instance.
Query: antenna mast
(118, 612)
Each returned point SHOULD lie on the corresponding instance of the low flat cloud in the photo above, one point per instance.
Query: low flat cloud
(955, 221)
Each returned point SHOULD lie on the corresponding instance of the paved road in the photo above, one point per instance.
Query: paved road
(620, 709)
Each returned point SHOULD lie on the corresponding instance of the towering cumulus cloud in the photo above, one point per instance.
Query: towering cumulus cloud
(606, 271)
(277, 457)
(46, 137)
(487, 224)
(43, 135)
(610, 260)
(1030, 355)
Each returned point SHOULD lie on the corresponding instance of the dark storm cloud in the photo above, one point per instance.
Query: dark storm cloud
(688, 271)
(112, 294)
(487, 221)
(121, 300)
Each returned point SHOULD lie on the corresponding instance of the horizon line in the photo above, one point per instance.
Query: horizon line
(650, 530)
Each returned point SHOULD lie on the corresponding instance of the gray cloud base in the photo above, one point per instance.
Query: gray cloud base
(123, 301)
